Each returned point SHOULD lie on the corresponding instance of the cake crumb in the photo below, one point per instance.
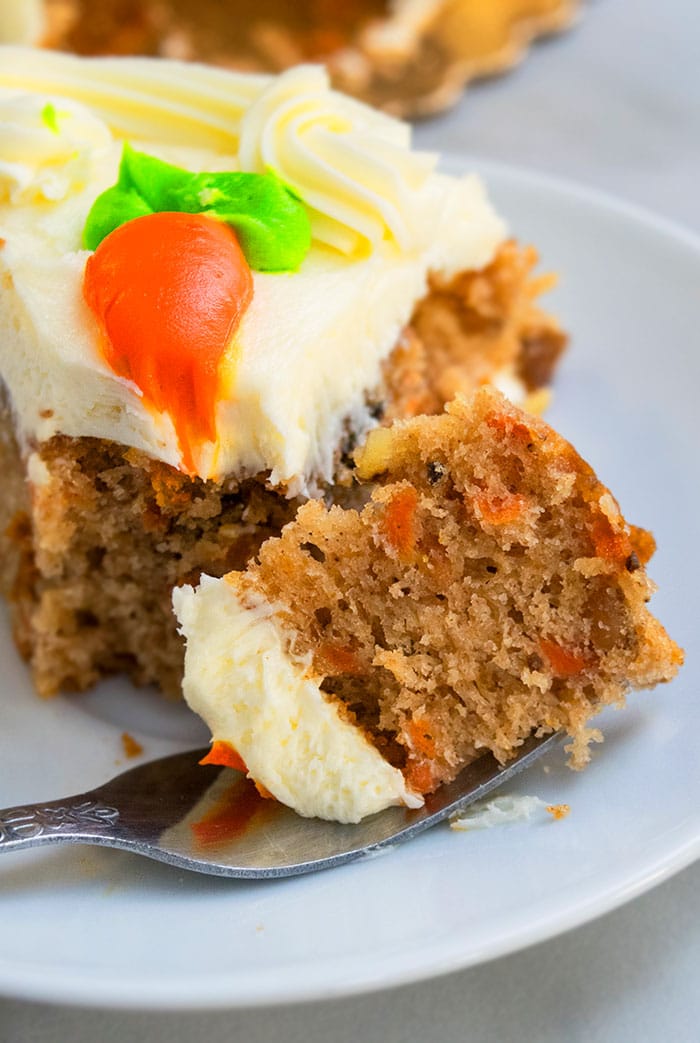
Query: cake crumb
(558, 811)
(132, 748)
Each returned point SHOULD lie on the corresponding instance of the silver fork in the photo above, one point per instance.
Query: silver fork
(212, 820)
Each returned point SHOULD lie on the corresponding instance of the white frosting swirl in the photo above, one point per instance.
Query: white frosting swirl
(143, 99)
(352, 166)
(46, 148)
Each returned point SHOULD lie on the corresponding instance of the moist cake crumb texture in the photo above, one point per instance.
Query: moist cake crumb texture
(490, 587)
(92, 558)
(472, 328)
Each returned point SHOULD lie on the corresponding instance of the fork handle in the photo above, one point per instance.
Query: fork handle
(74, 818)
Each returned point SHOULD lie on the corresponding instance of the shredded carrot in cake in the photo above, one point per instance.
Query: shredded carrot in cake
(611, 544)
(420, 738)
(502, 509)
(510, 427)
(223, 753)
(563, 661)
(400, 521)
(419, 777)
(335, 659)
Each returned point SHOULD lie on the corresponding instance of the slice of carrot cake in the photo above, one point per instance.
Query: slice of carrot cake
(212, 285)
(489, 588)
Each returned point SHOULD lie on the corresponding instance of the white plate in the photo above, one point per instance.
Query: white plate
(98, 927)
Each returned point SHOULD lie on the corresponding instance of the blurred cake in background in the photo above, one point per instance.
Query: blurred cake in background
(411, 57)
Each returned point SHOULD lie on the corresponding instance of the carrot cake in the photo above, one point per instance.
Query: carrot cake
(489, 588)
(213, 285)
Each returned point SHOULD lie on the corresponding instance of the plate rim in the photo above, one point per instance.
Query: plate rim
(573, 189)
(100, 993)
(39, 982)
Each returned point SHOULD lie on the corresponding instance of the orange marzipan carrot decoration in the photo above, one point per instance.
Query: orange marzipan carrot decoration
(223, 754)
(168, 291)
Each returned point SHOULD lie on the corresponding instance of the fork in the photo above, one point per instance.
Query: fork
(212, 820)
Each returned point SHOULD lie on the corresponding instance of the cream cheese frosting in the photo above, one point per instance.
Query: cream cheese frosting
(312, 342)
(242, 679)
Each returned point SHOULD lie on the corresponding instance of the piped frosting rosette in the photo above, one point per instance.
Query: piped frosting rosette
(351, 165)
(44, 151)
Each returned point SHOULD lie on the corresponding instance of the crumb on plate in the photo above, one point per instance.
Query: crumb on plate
(132, 748)
(558, 811)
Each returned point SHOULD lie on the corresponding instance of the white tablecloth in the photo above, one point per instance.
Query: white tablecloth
(615, 104)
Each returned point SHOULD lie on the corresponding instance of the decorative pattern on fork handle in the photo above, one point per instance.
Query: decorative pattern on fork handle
(28, 823)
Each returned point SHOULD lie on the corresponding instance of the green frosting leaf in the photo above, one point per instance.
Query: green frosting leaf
(152, 178)
(270, 221)
(49, 117)
(114, 207)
